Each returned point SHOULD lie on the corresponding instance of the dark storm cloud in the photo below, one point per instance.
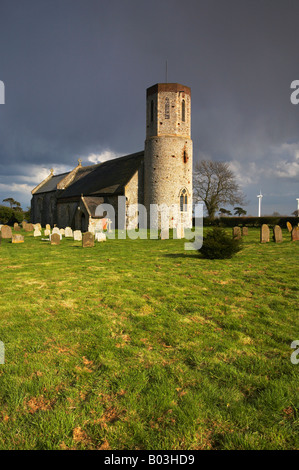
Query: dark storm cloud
(76, 72)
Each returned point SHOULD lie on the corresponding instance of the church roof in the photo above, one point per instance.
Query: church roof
(105, 178)
(51, 184)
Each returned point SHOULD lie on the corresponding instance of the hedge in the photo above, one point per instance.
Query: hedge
(250, 221)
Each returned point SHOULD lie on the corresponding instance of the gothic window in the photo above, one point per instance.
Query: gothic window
(152, 111)
(183, 111)
(167, 113)
(183, 200)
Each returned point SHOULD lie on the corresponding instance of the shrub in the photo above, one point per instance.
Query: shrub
(218, 245)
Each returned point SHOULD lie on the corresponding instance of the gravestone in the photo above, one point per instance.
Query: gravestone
(68, 233)
(17, 238)
(245, 231)
(6, 231)
(295, 234)
(55, 239)
(28, 228)
(100, 237)
(179, 232)
(48, 227)
(237, 233)
(289, 226)
(17, 228)
(164, 234)
(265, 234)
(87, 239)
(277, 234)
(47, 232)
(37, 233)
(62, 231)
(77, 235)
(55, 230)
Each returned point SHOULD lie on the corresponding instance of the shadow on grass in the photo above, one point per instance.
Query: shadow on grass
(184, 255)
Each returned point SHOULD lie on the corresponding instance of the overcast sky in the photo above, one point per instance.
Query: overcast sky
(76, 72)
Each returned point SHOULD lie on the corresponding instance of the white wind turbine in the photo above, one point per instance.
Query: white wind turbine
(260, 196)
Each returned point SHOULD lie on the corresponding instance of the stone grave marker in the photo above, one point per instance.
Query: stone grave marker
(62, 231)
(179, 232)
(295, 234)
(37, 233)
(100, 237)
(28, 228)
(77, 235)
(48, 227)
(68, 233)
(47, 232)
(277, 234)
(289, 226)
(164, 234)
(55, 239)
(17, 238)
(6, 231)
(55, 230)
(87, 239)
(245, 231)
(237, 233)
(265, 234)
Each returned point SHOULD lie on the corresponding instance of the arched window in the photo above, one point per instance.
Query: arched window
(183, 200)
(183, 111)
(167, 112)
(152, 111)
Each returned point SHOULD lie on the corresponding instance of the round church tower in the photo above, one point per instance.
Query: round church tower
(168, 149)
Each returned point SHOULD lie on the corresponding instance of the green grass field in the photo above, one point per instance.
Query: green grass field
(142, 345)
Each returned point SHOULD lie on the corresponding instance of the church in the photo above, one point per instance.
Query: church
(161, 174)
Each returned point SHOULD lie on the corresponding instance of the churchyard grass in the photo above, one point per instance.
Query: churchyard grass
(142, 345)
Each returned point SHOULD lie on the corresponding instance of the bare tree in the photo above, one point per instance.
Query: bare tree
(215, 184)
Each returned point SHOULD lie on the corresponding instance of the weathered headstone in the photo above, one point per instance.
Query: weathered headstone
(245, 231)
(62, 231)
(17, 238)
(87, 239)
(265, 234)
(37, 233)
(68, 233)
(179, 232)
(237, 233)
(48, 227)
(6, 231)
(100, 237)
(295, 234)
(289, 226)
(55, 230)
(55, 239)
(28, 228)
(77, 235)
(277, 234)
(17, 228)
(47, 232)
(164, 234)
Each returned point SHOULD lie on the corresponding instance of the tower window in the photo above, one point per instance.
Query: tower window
(152, 111)
(167, 112)
(183, 200)
(183, 111)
